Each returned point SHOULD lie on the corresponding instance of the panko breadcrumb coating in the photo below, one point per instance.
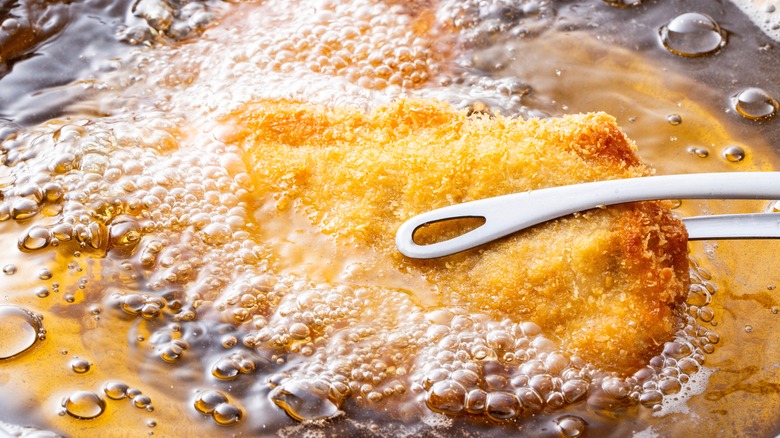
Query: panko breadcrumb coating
(605, 282)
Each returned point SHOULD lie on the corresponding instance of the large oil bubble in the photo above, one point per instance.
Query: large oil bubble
(755, 104)
(692, 34)
(84, 405)
(20, 328)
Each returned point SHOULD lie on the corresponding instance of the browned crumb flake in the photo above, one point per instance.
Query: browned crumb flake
(605, 281)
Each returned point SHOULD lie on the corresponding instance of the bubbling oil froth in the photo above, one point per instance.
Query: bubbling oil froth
(172, 210)
(179, 213)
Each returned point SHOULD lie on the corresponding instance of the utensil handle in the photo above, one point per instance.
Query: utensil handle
(507, 214)
(734, 226)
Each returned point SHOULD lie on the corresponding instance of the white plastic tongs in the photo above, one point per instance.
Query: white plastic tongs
(507, 214)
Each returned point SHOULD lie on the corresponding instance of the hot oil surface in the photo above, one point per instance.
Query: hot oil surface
(160, 296)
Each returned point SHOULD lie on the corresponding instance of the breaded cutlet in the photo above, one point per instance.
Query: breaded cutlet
(604, 282)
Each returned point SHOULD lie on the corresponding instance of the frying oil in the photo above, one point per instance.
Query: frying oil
(145, 291)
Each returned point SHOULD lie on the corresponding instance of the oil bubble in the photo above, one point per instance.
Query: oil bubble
(80, 366)
(34, 239)
(447, 397)
(476, 401)
(9, 269)
(21, 330)
(574, 389)
(706, 314)
(307, 400)
(142, 401)
(692, 34)
(226, 414)
(225, 369)
(650, 398)
(216, 404)
(124, 233)
(530, 399)
(84, 405)
(207, 401)
(502, 405)
(24, 208)
(674, 119)
(734, 154)
(755, 104)
(216, 234)
(571, 426)
(669, 385)
(699, 151)
(115, 390)
(45, 274)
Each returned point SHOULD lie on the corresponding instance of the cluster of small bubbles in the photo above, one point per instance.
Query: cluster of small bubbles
(344, 40)
(304, 309)
(230, 367)
(21, 329)
(119, 391)
(80, 365)
(699, 151)
(217, 405)
(169, 343)
(668, 373)
(364, 47)
(755, 104)
(140, 400)
(479, 23)
(733, 154)
(148, 306)
(700, 296)
(692, 34)
(370, 365)
(674, 119)
(84, 405)
(176, 20)
(502, 369)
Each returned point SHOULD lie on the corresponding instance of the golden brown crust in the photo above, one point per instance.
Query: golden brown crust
(604, 281)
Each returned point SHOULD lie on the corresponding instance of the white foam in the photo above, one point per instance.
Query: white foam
(437, 421)
(678, 403)
(647, 433)
(764, 13)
